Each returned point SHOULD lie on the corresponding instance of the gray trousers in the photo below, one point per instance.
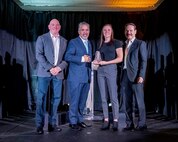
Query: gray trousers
(107, 82)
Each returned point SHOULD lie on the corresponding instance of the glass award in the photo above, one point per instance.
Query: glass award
(97, 58)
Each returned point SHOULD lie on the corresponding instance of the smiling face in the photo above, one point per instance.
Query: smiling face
(84, 30)
(130, 31)
(54, 27)
(107, 31)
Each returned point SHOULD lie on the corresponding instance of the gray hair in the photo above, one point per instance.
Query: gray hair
(83, 23)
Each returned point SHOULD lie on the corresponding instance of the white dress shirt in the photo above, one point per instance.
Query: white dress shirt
(56, 44)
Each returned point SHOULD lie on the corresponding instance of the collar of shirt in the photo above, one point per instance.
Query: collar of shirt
(52, 36)
(83, 40)
(129, 42)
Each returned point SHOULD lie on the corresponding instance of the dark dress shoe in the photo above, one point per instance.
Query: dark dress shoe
(83, 125)
(105, 125)
(53, 128)
(129, 128)
(141, 128)
(39, 130)
(74, 127)
(115, 125)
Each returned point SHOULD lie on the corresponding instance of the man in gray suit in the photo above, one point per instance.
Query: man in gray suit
(50, 48)
(133, 75)
(79, 57)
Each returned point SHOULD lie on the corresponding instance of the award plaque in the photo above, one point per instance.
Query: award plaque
(97, 58)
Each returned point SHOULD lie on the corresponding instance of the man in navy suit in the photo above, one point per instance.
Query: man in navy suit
(50, 49)
(133, 75)
(78, 55)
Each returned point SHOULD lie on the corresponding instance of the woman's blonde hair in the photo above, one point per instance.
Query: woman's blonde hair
(102, 36)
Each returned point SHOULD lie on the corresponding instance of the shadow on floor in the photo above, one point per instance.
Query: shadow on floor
(22, 129)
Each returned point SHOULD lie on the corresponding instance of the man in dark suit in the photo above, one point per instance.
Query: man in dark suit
(133, 75)
(78, 55)
(50, 48)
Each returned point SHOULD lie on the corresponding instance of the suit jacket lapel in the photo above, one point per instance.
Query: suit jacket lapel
(83, 46)
(89, 48)
(60, 47)
(133, 45)
(51, 46)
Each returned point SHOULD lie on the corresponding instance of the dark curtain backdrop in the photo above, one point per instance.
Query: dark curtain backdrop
(19, 30)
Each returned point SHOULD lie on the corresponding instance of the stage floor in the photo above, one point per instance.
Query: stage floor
(22, 129)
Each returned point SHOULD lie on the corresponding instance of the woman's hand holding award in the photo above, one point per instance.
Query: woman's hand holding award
(95, 63)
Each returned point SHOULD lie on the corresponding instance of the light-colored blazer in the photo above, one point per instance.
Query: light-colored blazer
(45, 55)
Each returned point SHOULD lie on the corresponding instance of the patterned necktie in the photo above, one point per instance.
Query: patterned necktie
(127, 48)
(126, 53)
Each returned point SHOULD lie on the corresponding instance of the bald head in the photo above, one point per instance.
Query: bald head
(54, 27)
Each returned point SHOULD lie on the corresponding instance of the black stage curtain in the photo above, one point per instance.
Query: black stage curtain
(19, 30)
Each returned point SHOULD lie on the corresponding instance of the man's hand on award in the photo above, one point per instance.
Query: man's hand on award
(87, 58)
